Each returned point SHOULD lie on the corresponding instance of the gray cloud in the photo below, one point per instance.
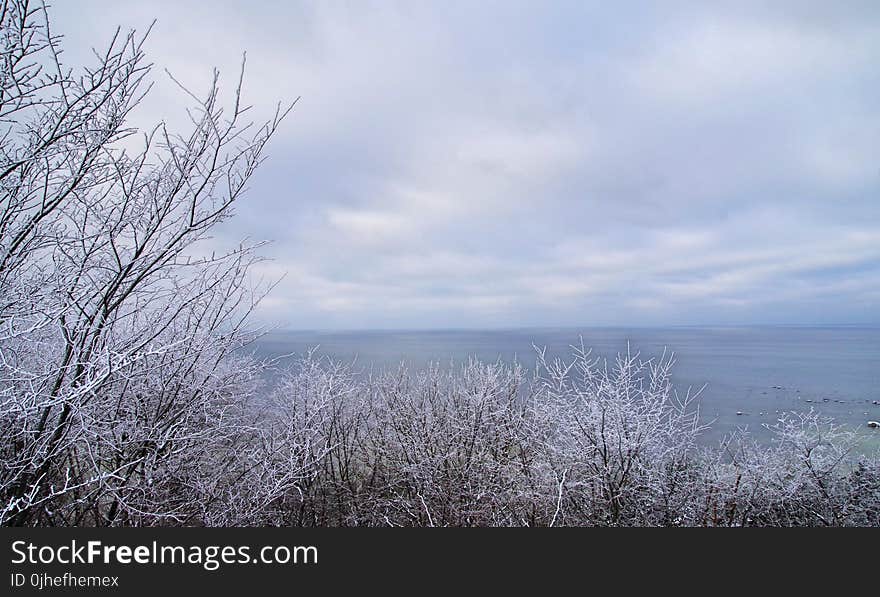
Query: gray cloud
(486, 164)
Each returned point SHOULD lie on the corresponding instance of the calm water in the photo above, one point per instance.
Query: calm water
(753, 370)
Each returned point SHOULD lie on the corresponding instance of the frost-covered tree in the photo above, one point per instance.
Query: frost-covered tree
(118, 378)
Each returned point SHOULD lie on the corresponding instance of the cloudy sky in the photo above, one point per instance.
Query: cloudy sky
(485, 164)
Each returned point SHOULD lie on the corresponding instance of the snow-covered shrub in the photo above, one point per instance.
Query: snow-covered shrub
(806, 477)
(579, 442)
(625, 439)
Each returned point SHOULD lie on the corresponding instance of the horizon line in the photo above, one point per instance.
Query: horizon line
(268, 328)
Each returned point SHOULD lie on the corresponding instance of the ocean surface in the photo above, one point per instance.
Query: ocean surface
(758, 372)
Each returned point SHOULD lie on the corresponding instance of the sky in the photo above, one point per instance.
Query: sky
(506, 164)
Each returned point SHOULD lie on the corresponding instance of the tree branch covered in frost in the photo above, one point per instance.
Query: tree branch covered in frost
(116, 339)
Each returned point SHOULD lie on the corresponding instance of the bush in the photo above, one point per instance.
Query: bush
(581, 442)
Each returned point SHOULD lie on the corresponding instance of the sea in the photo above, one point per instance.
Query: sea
(749, 375)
